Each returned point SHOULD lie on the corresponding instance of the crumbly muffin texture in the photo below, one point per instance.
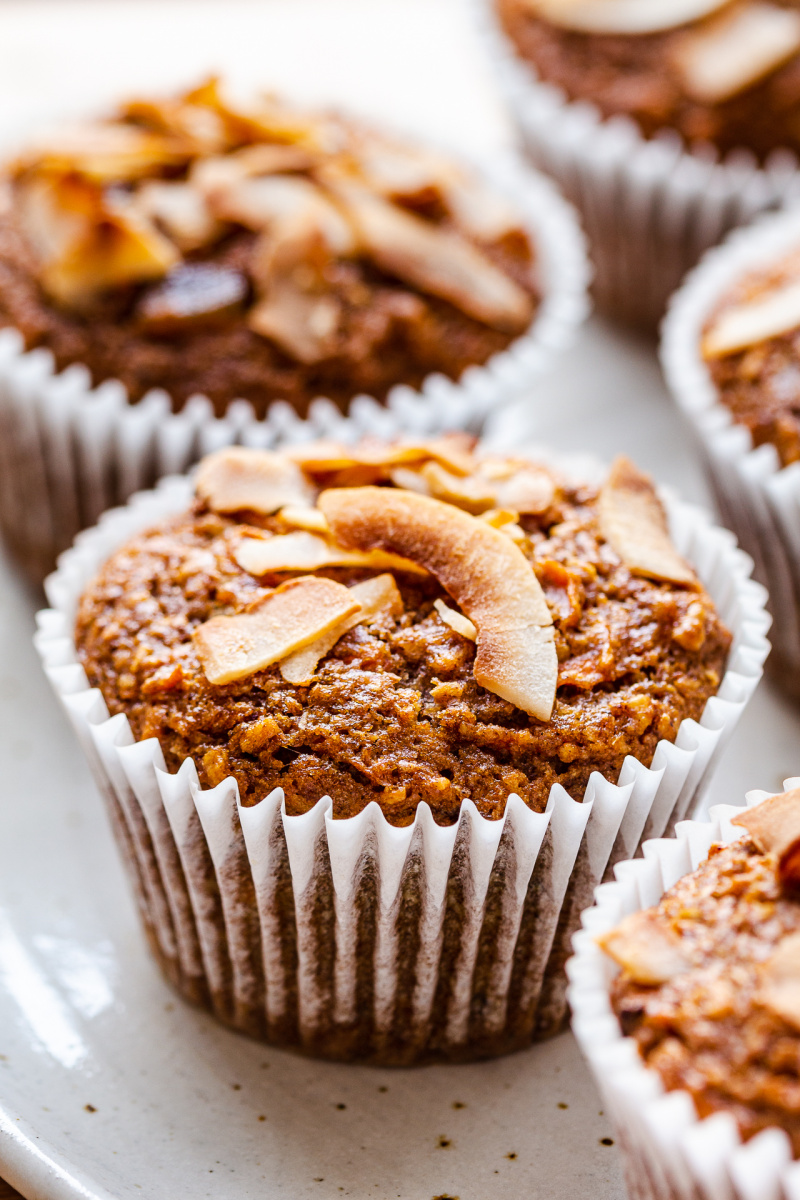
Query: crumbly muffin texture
(757, 375)
(721, 1020)
(254, 251)
(677, 78)
(392, 711)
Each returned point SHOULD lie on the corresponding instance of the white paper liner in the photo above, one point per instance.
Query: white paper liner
(669, 1153)
(353, 938)
(758, 499)
(650, 207)
(69, 451)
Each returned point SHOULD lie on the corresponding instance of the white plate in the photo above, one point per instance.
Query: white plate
(85, 1019)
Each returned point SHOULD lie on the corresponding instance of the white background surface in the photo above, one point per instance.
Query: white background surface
(84, 1017)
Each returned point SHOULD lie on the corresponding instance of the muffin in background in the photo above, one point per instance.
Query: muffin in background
(688, 1008)
(197, 271)
(257, 253)
(666, 123)
(731, 356)
(401, 672)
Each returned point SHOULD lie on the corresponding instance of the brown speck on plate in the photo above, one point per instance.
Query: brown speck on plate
(89, 1108)
(459, 1104)
(606, 1141)
(444, 1143)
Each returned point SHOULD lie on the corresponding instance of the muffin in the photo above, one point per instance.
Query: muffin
(731, 355)
(673, 122)
(198, 246)
(706, 989)
(410, 663)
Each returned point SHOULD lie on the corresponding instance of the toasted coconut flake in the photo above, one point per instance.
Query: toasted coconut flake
(303, 551)
(436, 261)
(623, 16)
(298, 612)
(323, 458)
(646, 949)
(530, 490)
(375, 596)
(774, 826)
(181, 211)
(242, 480)
(86, 242)
(303, 517)
(103, 153)
(456, 620)
(470, 492)
(414, 176)
(221, 174)
(264, 120)
(521, 488)
(742, 46)
(278, 203)
(768, 316)
(303, 325)
(191, 123)
(779, 989)
(633, 521)
(483, 571)
(296, 310)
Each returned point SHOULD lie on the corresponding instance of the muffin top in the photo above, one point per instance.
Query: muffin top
(403, 622)
(257, 251)
(710, 978)
(751, 346)
(720, 71)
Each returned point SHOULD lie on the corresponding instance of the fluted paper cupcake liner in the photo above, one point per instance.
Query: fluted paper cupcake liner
(650, 207)
(69, 451)
(757, 498)
(354, 939)
(669, 1153)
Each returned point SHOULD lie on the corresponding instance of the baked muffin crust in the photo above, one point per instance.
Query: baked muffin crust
(393, 711)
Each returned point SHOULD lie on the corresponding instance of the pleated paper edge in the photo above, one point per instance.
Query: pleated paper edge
(668, 1150)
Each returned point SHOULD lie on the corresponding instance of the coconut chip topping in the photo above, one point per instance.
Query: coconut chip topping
(327, 513)
(288, 619)
(780, 981)
(241, 480)
(306, 551)
(633, 520)
(375, 597)
(646, 949)
(769, 314)
(121, 203)
(623, 16)
(736, 50)
(774, 826)
(483, 571)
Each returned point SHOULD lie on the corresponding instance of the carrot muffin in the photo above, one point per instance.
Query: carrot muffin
(751, 346)
(403, 623)
(257, 252)
(720, 71)
(710, 979)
